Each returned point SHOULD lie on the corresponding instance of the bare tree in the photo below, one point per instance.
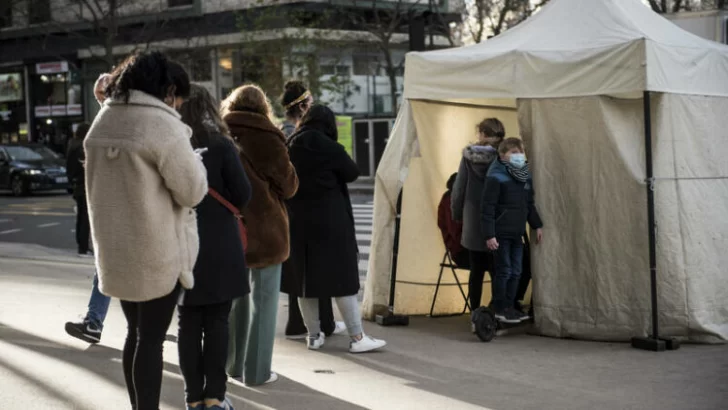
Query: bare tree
(97, 22)
(282, 42)
(675, 6)
(383, 20)
(485, 18)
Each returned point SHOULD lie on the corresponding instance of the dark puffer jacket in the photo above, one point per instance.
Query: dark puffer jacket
(507, 205)
(468, 191)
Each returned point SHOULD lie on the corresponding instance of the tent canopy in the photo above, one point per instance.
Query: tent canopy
(575, 48)
(553, 80)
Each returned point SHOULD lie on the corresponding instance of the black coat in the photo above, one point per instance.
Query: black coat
(220, 272)
(507, 205)
(75, 169)
(324, 253)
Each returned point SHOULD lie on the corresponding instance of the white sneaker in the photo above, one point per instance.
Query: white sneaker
(366, 344)
(340, 328)
(315, 343)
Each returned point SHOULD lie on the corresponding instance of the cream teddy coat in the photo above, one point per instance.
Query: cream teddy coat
(142, 180)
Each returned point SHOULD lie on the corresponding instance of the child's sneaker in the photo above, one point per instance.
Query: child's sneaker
(366, 344)
(507, 316)
(315, 343)
(523, 316)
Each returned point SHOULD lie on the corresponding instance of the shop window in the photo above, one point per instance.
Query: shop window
(329, 69)
(39, 11)
(180, 3)
(365, 65)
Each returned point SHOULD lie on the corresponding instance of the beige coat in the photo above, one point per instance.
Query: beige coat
(142, 180)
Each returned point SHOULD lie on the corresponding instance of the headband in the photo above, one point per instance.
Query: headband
(299, 99)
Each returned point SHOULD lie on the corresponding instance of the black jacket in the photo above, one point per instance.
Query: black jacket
(220, 271)
(324, 253)
(75, 169)
(507, 205)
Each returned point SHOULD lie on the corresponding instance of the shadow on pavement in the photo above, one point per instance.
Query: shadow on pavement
(105, 362)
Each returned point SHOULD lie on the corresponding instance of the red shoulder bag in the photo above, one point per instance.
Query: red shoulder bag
(236, 212)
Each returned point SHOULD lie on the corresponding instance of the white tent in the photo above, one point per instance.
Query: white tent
(571, 80)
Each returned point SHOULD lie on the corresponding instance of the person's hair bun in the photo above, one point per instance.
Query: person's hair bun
(292, 91)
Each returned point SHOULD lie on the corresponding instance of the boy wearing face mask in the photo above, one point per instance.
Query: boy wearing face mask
(508, 203)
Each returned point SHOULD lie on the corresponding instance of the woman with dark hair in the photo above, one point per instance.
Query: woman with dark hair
(143, 179)
(297, 100)
(220, 272)
(324, 253)
(273, 178)
(467, 199)
(76, 175)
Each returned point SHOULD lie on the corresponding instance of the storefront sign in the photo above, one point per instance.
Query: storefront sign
(58, 110)
(73, 109)
(52, 67)
(43, 111)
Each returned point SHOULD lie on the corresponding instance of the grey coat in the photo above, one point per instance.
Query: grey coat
(468, 192)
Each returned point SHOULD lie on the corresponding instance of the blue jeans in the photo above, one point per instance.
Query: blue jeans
(508, 268)
(98, 305)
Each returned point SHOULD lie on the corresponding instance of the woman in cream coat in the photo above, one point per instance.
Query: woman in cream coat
(143, 178)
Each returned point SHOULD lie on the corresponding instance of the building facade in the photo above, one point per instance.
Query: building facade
(51, 52)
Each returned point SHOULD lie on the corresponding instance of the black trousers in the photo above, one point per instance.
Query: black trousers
(295, 325)
(203, 346)
(526, 272)
(83, 226)
(142, 360)
(480, 262)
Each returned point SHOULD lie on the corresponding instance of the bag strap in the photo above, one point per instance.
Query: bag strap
(232, 208)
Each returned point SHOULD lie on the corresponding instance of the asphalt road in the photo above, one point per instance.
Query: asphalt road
(49, 219)
(42, 219)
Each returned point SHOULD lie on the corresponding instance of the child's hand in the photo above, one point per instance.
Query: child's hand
(492, 244)
(539, 236)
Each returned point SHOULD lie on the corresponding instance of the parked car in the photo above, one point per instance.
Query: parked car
(31, 168)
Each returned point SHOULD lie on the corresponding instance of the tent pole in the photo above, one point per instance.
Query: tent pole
(652, 342)
(390, 319)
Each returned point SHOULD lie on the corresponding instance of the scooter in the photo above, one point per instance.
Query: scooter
(487, 327)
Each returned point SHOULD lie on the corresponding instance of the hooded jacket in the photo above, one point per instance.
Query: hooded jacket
(468, 191)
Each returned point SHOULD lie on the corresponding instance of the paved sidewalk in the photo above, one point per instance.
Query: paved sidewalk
(432, 364)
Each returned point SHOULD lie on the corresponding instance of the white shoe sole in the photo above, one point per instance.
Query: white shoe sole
(369, 348)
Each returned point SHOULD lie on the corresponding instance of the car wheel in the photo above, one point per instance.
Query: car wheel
(18, 186)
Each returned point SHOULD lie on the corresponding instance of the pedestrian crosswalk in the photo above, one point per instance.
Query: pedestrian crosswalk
(363, 217)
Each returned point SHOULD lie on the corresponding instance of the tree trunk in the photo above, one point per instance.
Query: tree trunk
(392, 74)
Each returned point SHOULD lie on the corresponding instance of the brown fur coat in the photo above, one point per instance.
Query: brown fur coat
(265, 157)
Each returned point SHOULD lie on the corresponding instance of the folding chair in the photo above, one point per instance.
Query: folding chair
(447, 263)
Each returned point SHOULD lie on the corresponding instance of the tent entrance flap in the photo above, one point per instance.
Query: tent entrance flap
(444, 129)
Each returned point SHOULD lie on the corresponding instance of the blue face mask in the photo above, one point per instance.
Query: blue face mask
(518, 160)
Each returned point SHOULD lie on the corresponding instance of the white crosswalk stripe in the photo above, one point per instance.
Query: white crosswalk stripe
(363, 215)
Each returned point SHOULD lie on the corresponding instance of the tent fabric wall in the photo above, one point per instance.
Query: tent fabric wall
(591, 273)
(442, 131)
